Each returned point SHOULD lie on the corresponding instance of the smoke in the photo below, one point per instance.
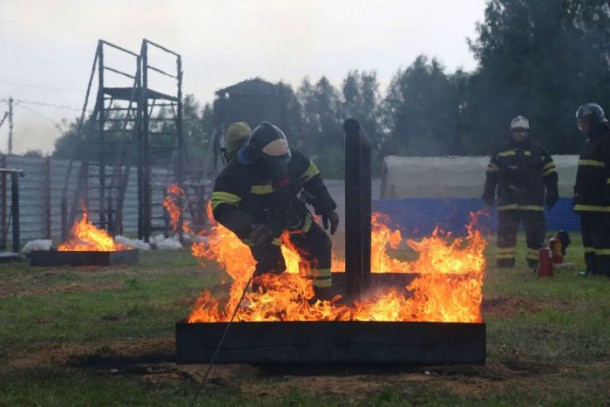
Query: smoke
(30, 134)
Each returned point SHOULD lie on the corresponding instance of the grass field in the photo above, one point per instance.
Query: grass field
(104, 337)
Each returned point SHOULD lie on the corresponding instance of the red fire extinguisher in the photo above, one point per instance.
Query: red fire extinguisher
(556, 249)
(545, 264)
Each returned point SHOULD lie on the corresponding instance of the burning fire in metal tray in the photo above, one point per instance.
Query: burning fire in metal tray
(447, 286)
(86, 237)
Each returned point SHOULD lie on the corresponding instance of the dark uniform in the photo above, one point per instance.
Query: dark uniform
(592, 199)
(244, 197)
(520, 171)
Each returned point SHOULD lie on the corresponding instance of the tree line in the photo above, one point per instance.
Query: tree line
(537, 58)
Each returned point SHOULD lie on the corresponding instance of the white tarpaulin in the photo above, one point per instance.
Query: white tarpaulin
(454, 177)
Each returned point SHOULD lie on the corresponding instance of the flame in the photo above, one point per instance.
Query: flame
(175, 194)
(447, 284)
(447, 287)
(86, 237)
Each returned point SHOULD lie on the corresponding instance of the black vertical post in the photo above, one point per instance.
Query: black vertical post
(110, 218)
(142, 106)
(145, 157)
(357, 208)
(180, 147)
(4, 236)
(15, 211)
(102, 141)
(64, 219)
(10, 126)
(47, 198)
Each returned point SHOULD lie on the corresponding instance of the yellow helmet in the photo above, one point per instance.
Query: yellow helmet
(237, 134)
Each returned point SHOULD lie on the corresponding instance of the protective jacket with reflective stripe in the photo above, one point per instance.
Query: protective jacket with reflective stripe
(592, 188)
(520, 171)
(243, 196)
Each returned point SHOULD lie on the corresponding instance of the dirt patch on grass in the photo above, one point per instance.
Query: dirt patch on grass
(505, 307)
(152, 361)
(62, 289)
(111, 355)
(469, 382)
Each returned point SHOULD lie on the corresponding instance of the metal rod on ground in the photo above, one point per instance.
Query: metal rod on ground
(220, 342)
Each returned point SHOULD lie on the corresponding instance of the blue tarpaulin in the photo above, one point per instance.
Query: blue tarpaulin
(419, 216)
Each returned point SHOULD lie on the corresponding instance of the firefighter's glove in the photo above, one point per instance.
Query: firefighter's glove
(260, 234)
(551, 199)
(330, 218)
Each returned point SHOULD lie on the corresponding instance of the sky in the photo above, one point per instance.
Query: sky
(48, 46)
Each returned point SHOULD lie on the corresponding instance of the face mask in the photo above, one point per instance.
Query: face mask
(274, 167)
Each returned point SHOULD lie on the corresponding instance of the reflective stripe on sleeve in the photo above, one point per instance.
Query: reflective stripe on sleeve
(311, 172)
(221, 197)
(591, 163)
(548, 169)
(507, 153)
(308, 223)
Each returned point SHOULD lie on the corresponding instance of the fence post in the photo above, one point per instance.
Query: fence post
(47, 173)
(15, 211)
(4, 220)
(64, 219)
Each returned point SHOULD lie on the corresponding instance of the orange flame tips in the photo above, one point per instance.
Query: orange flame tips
(86, 237)
(447, 286)
(171, 204)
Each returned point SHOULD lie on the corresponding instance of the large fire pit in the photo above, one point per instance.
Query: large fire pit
(354, 342)
(422, 313)
(87, 246)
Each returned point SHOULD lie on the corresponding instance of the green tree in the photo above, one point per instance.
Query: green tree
(321, 120)
(421, 111)
(65, 146)
(361, 100)
(541, 59)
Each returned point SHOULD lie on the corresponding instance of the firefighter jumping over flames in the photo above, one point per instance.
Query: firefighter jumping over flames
(521, 171)
(263, 192)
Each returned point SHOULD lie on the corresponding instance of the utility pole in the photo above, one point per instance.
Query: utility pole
(10, 125)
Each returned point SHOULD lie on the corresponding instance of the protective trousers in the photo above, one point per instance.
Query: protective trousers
(508, 226)
(595, 229)
(314, 248)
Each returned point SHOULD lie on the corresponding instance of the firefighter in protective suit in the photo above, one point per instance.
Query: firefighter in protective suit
(238, 133)
(257, 196)
(521, 171)
(592, 188)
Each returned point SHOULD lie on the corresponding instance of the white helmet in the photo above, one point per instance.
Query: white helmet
(520, 122)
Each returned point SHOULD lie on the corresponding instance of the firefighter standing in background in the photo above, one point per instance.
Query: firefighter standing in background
(592, 189)
(238, 133)
(256, 196)
(521, 170)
